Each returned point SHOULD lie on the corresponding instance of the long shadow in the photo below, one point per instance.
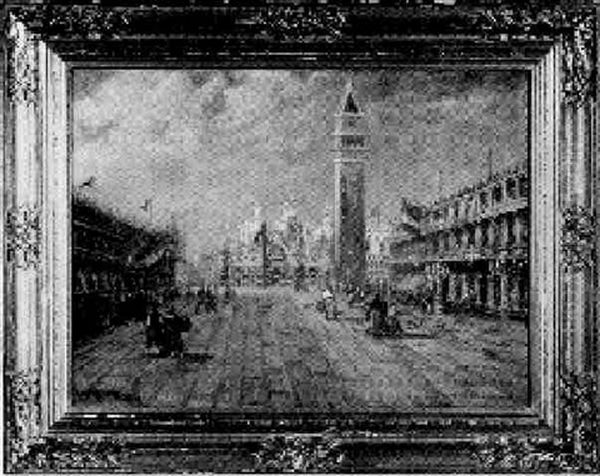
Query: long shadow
(186, 357)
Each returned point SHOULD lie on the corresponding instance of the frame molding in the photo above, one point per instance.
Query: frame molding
(555, 43)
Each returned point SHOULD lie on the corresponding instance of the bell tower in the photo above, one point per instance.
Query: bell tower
(351, 151)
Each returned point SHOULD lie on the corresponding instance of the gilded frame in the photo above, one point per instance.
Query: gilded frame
(554, 42)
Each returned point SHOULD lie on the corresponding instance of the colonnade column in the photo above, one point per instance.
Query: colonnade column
(478, 235)
(477, 288)
(504, 291)
(518, 230)
(490, 287)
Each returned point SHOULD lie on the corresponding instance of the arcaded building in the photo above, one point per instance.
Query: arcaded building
(116, 267)
(473, 247)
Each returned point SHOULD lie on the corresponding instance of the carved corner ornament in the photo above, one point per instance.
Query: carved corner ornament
(301, 23)
(573, 449)
(57, 455)
(579, 59)
(577, 31)
(23, 236)
(87, 22)
(578, 238)
(29, 452)
(301, 454)
(23, 395)
(22, 75)
(581, 428)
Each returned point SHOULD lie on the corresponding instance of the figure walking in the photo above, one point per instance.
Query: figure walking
(153, 323)
(378, 312)
(329, 303)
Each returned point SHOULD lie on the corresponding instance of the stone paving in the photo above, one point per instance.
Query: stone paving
(271, 350)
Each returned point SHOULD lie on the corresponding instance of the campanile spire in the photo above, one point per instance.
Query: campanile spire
(350, 152)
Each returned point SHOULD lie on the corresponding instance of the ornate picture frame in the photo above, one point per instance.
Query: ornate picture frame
(555, 42)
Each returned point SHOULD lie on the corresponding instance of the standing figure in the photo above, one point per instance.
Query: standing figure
(153, 324)
(171, 342)
(200, 299)
(378, 312)
(210, 302)
(329, 302)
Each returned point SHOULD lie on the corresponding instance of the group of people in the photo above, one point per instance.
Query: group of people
(164, 325)
(168, 318)
(207, 299)
(383, 317)
(378, 312)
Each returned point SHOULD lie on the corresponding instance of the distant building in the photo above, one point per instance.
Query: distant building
(247, 265)
(319, 252)
(293, 249)
(251, 227)
(203, 270)
(472, 248)
(379, 233)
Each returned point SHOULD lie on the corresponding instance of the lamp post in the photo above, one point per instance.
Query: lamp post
(263, 236)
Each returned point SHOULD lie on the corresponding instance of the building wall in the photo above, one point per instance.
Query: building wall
(115, 268)
(474, 246)
(349, 232)
(378, 252)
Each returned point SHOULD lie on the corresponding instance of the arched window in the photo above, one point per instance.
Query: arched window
(353, 141)
(497, 194)
(510, 231)
(484, 234)
(459, 239)
(471, 236)
(523, 187)
(511, 188)
(80, 284)
(94, 286)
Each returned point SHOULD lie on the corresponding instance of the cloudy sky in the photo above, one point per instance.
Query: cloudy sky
(207, 145)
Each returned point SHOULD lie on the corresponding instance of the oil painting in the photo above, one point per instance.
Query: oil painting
(275, 240)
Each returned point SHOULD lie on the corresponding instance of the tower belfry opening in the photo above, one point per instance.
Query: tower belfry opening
(351, 106)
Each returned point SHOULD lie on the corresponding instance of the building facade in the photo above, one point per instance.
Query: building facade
(116, 266)
(293, 253)
(472, 248)
(351, 151)
(379, 232)
(250, 227)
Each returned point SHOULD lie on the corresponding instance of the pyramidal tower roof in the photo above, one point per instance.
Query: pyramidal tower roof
(350, 105)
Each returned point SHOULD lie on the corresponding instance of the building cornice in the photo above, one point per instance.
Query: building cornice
(349, 161)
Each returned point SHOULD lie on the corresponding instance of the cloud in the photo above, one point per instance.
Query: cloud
(208, 145)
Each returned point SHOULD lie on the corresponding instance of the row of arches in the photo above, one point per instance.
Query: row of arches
(508, 231)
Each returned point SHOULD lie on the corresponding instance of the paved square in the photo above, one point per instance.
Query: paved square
(273, 351)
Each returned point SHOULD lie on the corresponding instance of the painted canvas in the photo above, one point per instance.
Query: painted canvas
(299, 240)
